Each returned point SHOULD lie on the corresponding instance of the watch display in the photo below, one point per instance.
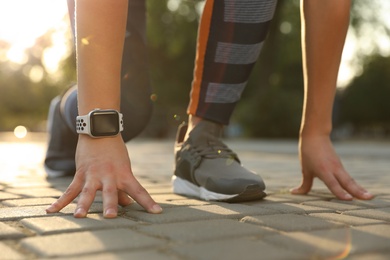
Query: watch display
(104, 123)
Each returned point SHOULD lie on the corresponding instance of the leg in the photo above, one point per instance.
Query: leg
(231, 35)
(230, 39)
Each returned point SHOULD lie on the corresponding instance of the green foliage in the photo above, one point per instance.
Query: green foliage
(365, 103)
(24, 98)
(172, 42)
(272, 103)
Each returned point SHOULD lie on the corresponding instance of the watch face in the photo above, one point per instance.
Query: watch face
(104, 123)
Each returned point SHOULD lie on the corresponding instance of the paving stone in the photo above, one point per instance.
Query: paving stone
(143, 255)
(382, 231)
(370, 256)
(332, 205)
(380, 214)
(88, 242)
(292, 208)
(177, 200)
(234, 249)
(290, 222)
(6, 196)
(375, 203)
(36, 192)
(153, 190)
(300, 198)
(13, 213)
(203, 230)
(8, 232)
(214, 211)
(30, 184)
(58, 224)
(348, 220)
(29, 202)
(194, 229)
(331, 243)
(271, 198)
(9, 253)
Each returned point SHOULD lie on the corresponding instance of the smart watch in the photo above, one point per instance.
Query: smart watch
(100, 123)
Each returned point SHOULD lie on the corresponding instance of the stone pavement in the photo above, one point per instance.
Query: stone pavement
(282, 226)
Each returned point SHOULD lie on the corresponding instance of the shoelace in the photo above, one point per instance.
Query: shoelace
(213, 150)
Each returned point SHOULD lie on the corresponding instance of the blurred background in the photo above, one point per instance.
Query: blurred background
(37, 63)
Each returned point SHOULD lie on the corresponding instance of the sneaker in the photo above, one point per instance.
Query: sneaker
(207, 169)
(60, 155)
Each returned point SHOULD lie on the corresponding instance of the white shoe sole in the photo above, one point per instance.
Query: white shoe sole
(183, 187)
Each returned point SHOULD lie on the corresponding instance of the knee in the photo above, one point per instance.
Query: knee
(135, 118)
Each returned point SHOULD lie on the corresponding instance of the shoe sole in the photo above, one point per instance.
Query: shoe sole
(183, 187)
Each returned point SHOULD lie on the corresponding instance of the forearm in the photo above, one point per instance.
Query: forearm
(100, 32)
(324, 27)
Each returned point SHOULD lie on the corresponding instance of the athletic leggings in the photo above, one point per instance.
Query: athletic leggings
(230, 38)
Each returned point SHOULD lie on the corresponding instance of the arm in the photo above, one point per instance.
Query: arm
(101, 164)
(324, 27)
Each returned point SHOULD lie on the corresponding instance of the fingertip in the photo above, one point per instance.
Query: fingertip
(110, 213)
(295, 191)
(367, 196)
(52, 208)
(347, 196)
(80, 213)
(49, 210)
(298, 191)
(155, 209)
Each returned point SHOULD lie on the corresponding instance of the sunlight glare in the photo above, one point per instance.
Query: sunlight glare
(20, 132)
(23, 21)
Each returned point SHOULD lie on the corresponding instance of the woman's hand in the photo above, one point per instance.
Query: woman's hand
(103, 164)
(319, 159)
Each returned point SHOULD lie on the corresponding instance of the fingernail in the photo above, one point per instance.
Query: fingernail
(367, 194)
(80, 212)
(110, 213)
(156, 209)
(348, 196)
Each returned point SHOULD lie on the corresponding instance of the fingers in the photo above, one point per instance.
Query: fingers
(86, 199)
(305, 187)
(139, 194)
(350, 185)
(110, 201)
(335, 187)
(341, 184)
(69, 195)
(124, 199)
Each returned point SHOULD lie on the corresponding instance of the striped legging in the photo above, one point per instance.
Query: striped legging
(231, 35)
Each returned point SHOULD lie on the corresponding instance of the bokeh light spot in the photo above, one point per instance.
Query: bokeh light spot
(20, 132)
(176, 117)
(153, 97)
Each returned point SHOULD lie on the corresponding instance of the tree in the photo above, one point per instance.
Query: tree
(365, 103)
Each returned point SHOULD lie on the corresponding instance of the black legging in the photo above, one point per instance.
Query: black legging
(136, 104)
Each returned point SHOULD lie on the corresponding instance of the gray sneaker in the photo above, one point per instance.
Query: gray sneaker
(207, 169)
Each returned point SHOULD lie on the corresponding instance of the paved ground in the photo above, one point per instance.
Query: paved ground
(282, 226)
